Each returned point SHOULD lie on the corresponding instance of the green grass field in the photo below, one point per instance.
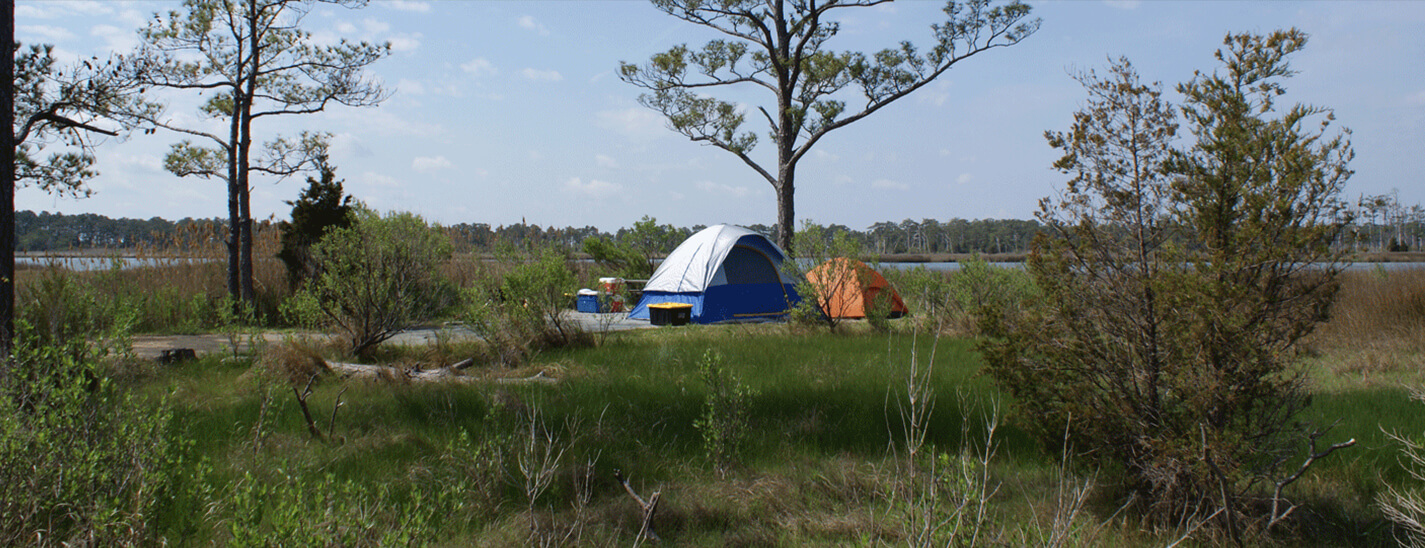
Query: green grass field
(819, 466)
(817, 452)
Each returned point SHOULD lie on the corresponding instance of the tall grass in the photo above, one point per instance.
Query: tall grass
(178, 286)
(465, 462)
(1377, 326)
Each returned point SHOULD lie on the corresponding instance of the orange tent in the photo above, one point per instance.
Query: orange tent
(845, 286)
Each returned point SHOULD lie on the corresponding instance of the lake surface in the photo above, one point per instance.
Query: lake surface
(952, 266)
(102, 263)
(97, 263)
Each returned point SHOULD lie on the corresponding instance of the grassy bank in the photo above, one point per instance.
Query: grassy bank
(814, 441)
(823, 459)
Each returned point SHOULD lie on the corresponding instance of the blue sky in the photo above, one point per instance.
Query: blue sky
(505, 111)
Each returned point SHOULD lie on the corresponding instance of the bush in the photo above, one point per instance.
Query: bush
(1178, 286)
(321, 206)
(64, 313)
(527, 311)
(957, 300)
(81, 460)
(723, 421)
(378, 277)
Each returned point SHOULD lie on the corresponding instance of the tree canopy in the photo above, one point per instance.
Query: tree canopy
(784, 49)
(251, 60)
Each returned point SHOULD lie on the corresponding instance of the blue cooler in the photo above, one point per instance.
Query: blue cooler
(588, 301)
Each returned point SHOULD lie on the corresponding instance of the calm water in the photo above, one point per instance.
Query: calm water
(95, 263)
(950, 266)
(100, 263)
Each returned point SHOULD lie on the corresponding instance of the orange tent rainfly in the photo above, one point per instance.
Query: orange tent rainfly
(845, 286)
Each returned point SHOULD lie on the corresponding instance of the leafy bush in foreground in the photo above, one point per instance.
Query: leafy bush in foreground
(81, 460)
(377, 277)
(1177, 361)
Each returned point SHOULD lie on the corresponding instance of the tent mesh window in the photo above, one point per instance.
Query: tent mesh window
(745, 265)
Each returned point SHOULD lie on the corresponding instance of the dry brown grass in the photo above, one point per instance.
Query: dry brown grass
(1377, 324)
(181, 283)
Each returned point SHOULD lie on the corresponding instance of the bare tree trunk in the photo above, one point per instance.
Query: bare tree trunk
(786, 210)
(7, 186)
(244, 145)
(234, 290)
(234, 212)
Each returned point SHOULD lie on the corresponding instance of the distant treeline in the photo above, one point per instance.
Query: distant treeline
(45, 231)
(39, 232)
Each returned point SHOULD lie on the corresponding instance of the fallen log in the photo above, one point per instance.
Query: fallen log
(364, 371)
(453, 373)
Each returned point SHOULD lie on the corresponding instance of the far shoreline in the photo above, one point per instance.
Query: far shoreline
(911, 258)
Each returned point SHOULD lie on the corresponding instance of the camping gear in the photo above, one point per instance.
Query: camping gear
(670, 313)
(613, 287)
(727, 273)
(846, 287)
(589, 301)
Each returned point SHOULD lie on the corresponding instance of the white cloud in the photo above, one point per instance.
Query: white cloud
(375, 26)
(1417, 99)
(889, 184)
(935, 96)
(480, 67)
(405, 43)
(410, 87)
(542, 75)
(378, 180)
(115, 38)
(51, 10)
(718, 188)
(348, 144)
(145, 162)
(47, 33)
(426, 165)
(602, 160)
(529, 23)
(633, 122)
(824, 156)
(345, 27)
(964, 178)
(408, 5)
(1123, 4)
(594, 187)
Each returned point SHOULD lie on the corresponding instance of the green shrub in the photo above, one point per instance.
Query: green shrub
(378, 277)
(82, 461)
(958, 300)
(815, 245)
(306, 509)
(527, 311)
(65, 313)
(724, 419)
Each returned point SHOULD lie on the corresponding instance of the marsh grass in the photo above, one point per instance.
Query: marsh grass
(180, 284)
(815, 469)
(631, 404)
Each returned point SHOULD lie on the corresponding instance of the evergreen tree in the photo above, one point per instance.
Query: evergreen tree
(321, 206)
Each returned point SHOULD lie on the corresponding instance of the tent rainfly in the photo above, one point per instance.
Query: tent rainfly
(845, 286)
(727, 273)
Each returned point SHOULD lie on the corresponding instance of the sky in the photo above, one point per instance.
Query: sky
(504, 112)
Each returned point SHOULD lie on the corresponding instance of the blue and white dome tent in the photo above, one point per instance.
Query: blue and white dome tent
(728, 273)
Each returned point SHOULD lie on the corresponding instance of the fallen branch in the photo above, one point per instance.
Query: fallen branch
(1311, 457)
(307, 412)
(364, 371)
(648, 507)
(535, 378)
